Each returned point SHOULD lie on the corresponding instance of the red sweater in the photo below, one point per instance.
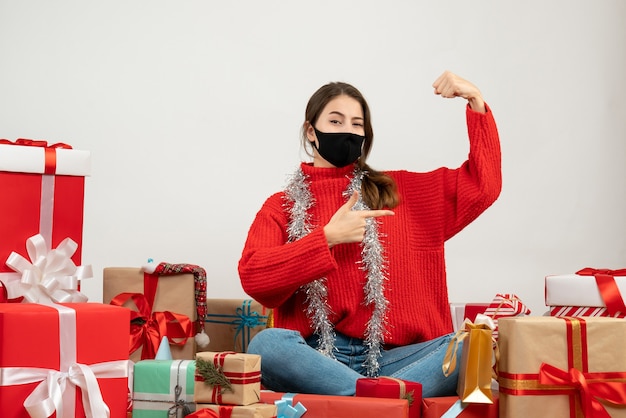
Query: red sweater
(434, 207)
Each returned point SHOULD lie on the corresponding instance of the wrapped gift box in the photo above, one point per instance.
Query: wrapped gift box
(389, 387)
(155, 388)
(241, 374)
(174, 293)
(231, 323)
(43, 186)
(257, 410)
(327, 406)
(586, 293)
(452, 405)
(584, 311)
(36, 340)
(545, 360)
(503, 305)
(462, 311)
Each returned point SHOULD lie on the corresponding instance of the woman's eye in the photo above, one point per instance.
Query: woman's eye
(335, 122)
(360, 125)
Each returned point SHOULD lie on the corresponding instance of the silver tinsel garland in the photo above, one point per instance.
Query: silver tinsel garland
(299, 201)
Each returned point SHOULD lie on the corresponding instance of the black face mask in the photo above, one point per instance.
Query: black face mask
(340, 148)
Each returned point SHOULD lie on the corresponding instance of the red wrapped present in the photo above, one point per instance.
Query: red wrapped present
(52, 358)
(589, 292)
(389, 387)
(43, 188)
(255, 410)
(328, 406)
(451, 406)
(462, 311)
(562, 367)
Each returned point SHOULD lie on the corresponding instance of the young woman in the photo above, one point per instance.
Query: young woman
(352, 259)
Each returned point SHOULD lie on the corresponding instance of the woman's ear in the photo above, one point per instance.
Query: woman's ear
(310, 131)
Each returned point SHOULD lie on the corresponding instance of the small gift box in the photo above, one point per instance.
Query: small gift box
(328, 406)
(589, 292)
(502, 305)
(163, 388)
(53, 359)
(231, 323)
(389, 387)
(562, 367)
(451, 407)
(462, 311)
(505, 305)
(256, 410)
(167, 299)
(43, 185)
(227, 378)
(477, 360)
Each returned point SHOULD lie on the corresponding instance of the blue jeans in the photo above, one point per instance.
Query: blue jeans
(289, 363)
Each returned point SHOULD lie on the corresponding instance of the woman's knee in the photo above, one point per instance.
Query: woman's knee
(273, 341)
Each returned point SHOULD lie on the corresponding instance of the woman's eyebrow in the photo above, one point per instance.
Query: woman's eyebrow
(336, 112)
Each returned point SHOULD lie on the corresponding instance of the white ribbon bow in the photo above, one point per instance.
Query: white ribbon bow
(49, 277)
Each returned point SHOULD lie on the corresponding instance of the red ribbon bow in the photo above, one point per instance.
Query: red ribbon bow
(608, 288)
(590, 387)
(34, 143)
(4, 295)
(153, 326)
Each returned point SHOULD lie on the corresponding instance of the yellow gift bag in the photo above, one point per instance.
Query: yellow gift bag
(477, 360)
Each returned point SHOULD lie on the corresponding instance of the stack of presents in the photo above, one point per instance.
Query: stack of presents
(158, 347)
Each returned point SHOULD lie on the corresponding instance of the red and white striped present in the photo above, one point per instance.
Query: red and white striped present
(589, 292)
(505, 305)
(584, 311)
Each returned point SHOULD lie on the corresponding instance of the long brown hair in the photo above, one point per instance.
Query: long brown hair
(378, 189)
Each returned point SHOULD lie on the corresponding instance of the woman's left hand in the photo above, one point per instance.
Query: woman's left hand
(450, 85)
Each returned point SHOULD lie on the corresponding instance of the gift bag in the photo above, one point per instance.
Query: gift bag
(476, 365)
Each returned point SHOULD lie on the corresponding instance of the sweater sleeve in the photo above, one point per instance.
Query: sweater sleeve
(270, 269)
(473, 187)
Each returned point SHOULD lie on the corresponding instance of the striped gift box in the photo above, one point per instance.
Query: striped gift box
(505, 305)
(577, 311)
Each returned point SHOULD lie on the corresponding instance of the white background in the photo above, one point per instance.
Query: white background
(191, 111)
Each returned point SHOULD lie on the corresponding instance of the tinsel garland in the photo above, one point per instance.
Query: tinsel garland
(299, 201)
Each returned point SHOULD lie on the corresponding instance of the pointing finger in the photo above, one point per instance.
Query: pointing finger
(377, 213)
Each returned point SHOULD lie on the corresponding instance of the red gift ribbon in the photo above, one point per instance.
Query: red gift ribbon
(50, 151)
(577, 383)
(4, 295)
(590, 387)
(154, 325)
(608, 288)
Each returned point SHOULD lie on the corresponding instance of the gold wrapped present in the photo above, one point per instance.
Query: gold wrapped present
(227, 378)
(174, 294)
(232, 323)
(256, 410)
(562, 367)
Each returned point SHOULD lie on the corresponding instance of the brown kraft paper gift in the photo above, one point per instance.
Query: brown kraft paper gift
(175, 293)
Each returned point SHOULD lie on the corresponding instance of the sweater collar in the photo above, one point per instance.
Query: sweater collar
(326, 173)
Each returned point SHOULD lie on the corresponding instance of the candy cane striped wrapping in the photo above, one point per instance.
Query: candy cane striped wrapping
(577, 311)
(504, 305)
